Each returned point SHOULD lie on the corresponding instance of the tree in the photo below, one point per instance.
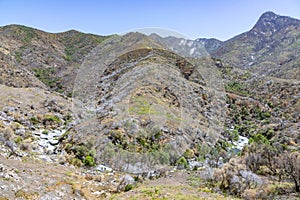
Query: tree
(290, 167)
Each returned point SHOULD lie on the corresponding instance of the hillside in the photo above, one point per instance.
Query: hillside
(269, 48)
(137, 113)
(35, 56)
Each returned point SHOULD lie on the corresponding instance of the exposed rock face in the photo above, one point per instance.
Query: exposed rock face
(198, 48)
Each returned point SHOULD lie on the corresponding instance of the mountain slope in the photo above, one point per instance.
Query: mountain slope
(47, 57)
(190, 48)
(269, 48)
(146, 101)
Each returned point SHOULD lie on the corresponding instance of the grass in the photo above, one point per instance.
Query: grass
(166, 192)
(52, 118)
(18, 140)
(18, 56)
(26, 194)
(195, 181)
(141, 106)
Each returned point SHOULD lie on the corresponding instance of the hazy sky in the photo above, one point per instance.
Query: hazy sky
(220, 19)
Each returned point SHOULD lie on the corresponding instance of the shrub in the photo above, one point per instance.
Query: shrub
(235, 179)
(289, 164)
(80, 151)
(235, 87)
(52, 118)
(25, 147)
(182, 162)
(18, 140)
(234, 135)
(47, 76)
(89, 161)
(202, 150)
(7, 133)
(188, 154)
(34, 120)
(128, 187)
(259, 138)
(76, 162)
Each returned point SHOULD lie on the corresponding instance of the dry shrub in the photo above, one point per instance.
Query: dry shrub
(7, 133)
(250, 194)
(235, 178)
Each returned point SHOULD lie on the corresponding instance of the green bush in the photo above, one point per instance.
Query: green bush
(80, 151)
(89, 161)
(235, 87)
(128, 187)
(266, 115)
(188, 154)
(47, 76)
(234, 135)
(52, 118)
(18, 139)
(182, 162)
(18, 56)
(34, 120)
(258, 138)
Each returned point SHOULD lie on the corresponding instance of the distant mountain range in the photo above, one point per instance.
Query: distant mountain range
(269, 48)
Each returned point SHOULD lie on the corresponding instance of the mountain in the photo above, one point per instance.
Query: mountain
(130, 108)
(201, 47)
(269, 48)
(43, 57)
(148, 101)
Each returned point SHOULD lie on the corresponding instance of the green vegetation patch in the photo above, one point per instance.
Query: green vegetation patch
(236, 87)
(47, 76)
(52, 118)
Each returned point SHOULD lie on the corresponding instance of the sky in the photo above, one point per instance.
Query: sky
(221, 19)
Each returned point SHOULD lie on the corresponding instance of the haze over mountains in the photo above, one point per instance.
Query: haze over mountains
(140, 104)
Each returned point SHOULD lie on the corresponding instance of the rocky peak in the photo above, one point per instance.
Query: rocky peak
(269, 15)
(211, 44)
(269, 23)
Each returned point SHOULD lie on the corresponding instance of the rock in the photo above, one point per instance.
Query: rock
(126, 180)
(165, 130)
(103, 168)
(9, 109)
(20, 131)
(54, 142)
(44, 136)
(3, 114)
(38, 133)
